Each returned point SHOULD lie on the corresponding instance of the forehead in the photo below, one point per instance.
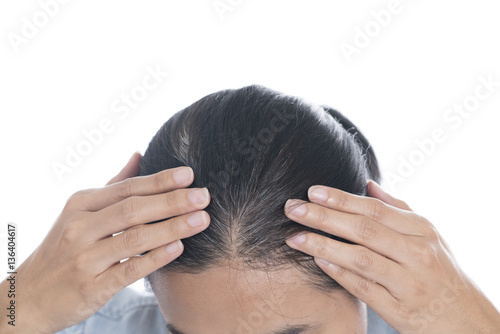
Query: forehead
(229, 298)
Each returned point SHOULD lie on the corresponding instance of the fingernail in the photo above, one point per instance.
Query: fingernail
(318, 193)
(298, 238)
(183, 175)
(198, 196)
(196, 219)
(299, 210)
(323, 262)
(173, 246)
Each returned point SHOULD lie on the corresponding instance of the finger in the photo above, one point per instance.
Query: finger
(353, 227)
(386, 214)
(139, 239)
(131, 169)
(376, 191)
(123, 274)
(143, 209)
(356, 258)
(371, 293)
(161, 182)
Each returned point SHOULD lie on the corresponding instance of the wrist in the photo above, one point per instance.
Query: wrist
(8, 322)
(16, 320)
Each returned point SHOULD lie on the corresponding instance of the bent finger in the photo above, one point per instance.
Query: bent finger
(144, 209)
(353, 227)
(123, 274)
(139, 239)
(356, 258)
(131, 169)
(395, 218)
(164, 181)
(371, 293)
(376, 191)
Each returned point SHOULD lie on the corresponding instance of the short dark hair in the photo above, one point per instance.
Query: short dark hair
(254, 148)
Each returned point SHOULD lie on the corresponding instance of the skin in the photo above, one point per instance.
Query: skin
(77, 268)
(232, 300)
(400, 266)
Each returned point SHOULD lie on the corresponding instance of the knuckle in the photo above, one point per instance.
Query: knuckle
(75, 199)
(101, 297)
(118, 281)
(432, 234)
(172, 200)
(158, 181)
(366, 230)
(340, 201)
(175, 227)
(377, 210)
(124, 188)
(402, 311)
(426, 255)
(430, 230)
(321, 250)
(363, 288)
(341, 272)
(133, 238)
(70, 232)
(127, 210)
(81, 263)
(363, 260)
(321, 217)
(130, 270)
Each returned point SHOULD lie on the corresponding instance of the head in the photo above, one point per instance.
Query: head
(254, 148)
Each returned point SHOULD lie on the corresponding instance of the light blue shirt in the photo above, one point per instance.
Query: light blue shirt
(131, 312)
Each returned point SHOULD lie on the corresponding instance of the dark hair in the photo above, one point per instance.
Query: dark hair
(254, 148)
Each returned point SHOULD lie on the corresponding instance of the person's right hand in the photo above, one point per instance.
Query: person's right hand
(76, 270)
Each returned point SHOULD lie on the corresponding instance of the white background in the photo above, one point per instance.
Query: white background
(426, 58)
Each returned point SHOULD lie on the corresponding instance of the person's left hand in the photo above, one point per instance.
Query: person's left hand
(399, 265)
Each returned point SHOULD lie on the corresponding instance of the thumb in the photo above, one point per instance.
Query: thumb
(376, 191)
(131, 169)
